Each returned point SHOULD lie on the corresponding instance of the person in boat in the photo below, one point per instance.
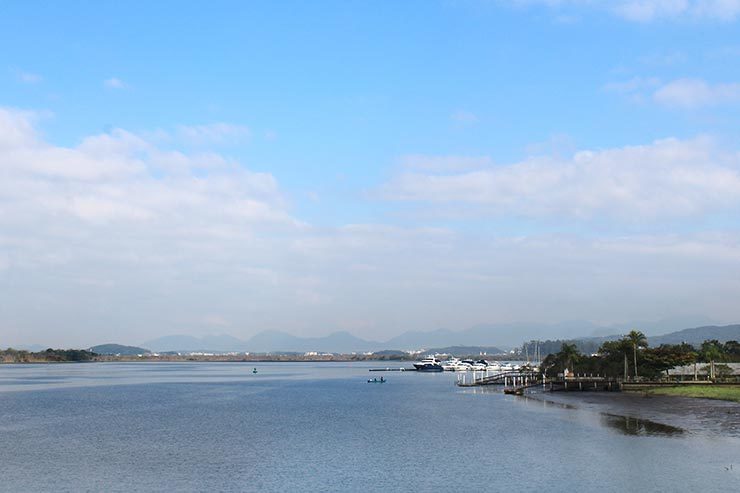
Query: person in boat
(382, 380)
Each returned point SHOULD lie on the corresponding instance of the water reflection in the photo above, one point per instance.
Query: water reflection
(629, 425)
(545, 403)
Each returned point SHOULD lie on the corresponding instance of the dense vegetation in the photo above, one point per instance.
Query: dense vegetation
(631, 358)
(116, 349)
(11, 355)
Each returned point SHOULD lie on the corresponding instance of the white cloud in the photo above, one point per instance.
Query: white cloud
(27, 77)
(16, 129)
(652, 10)
(444, 163)
(114, 83)
(463, 117)
(694, 93)
(632, 86)
(118, 238)
(668, 178)
(665, 59)
(648, 10)
(214, 133)
(120, 175)
(687, 93)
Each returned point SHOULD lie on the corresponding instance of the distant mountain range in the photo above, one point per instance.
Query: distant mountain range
(34, 348)
(337, 342)
(264, 342)
(698, 335)
(486, 338)
(694, 336)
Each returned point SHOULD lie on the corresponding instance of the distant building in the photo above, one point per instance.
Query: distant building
(702, 369)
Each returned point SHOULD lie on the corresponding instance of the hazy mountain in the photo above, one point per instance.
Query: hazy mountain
(662, 326)
(267, 341)
(694, 336)
(500, 337)
(116, 349)
(34, 348)
(467, 350)
(417, 339)
(337, 342)
(698, 335)
(216, 343)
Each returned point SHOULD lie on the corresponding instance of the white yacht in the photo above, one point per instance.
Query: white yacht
(429, 363)
(450, 364)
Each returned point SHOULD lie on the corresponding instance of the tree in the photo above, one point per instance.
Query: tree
(569, 354)
(638, 340)
(732, 351)
(666, 356)
(710, 352)
(615, 356)
(567, 357)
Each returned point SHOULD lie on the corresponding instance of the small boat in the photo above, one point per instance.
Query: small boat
(428, 364)
(451, 364)
(518, 391)
(375, 380)
(254, 370)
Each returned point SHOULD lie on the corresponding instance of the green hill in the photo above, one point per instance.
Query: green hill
(118, 350)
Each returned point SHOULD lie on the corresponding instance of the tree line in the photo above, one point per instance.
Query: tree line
(631, 358)
(11, 355)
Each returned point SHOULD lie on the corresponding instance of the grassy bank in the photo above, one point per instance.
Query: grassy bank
(723, 392)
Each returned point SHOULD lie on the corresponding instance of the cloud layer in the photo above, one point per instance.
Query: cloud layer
(653, 10)
(120, 239)
(668, 178)
(682, 94)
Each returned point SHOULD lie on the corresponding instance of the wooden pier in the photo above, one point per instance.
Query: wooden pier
(516, 382)
(513, 378)
(584, 383)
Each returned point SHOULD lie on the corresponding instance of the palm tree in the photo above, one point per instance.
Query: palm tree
(569, 354)
(638, 340)
(711, 351)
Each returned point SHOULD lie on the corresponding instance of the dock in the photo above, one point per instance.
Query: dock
(513, 378)
(516, 382)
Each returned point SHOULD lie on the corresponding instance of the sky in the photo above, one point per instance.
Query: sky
(366, 166)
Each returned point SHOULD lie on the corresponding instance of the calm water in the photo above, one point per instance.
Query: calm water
(321, 427)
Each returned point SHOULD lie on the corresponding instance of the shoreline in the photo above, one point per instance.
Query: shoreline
(716, 391)
(652, 414)
(207, 359)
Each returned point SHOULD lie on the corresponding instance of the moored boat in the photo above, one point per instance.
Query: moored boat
(428, 364)
(517, 391)
(450, 364)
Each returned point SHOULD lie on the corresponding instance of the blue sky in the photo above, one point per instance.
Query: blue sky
(357, 162)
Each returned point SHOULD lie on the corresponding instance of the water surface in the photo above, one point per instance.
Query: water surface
(321, 427)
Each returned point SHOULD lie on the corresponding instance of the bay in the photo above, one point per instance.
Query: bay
(322, 427)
